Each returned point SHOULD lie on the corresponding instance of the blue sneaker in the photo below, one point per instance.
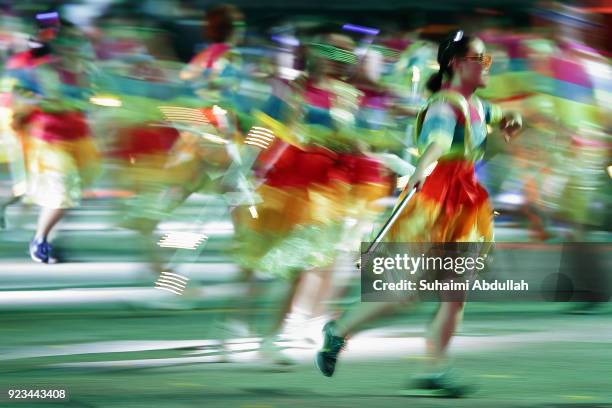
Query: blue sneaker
(332, 345)
(41, 251)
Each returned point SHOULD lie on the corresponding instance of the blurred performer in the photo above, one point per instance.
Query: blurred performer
(207, 156)
(198, 163)
(579, 75)
(450, 205)
(12, 150)
(566, 105)
(61, 157)
(12, 144)
(416, 63)
(216, 71)
(214, 74)
(410, 73)
(377, 134)
(381, 106)
(514, 85)
(579, 79)
(315, 173)
(225, 29)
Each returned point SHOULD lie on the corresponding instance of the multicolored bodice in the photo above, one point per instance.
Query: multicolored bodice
(315, 115)
(458, 125)
(44, 82)
(377, 126)
(220, 75)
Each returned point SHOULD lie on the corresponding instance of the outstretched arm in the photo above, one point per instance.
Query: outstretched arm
(431, 155)
(509, 122)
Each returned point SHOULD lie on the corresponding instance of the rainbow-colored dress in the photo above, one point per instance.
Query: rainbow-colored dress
(317, 178)
(452, 206)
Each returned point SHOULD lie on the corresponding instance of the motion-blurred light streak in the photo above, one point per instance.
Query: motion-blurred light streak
(172, 282)
(260, 137)
(182, 240)
(105, 101)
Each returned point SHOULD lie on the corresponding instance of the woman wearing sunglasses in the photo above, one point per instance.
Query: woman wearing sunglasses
(449, 206)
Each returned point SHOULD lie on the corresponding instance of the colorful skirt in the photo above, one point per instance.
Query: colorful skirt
(451, 207)
(62, 159)
(306, 199)
(141, 153)
(13, 149)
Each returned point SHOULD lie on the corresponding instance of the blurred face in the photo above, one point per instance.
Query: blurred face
(47, 34)
(336, 58)
(473, 69)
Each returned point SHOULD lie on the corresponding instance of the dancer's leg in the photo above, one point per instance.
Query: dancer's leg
(356, 318)
(286, 305)
(3, 206)
(47, 219)
(40, 249)
(312, 292)
(442, 328)
(268, 349)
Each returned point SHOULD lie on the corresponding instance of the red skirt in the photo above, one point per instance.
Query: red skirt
(452, 206)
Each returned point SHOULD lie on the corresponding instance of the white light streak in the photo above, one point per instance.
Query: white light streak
(188, 115)
(105, 101)
(260, 137)
(182, 240)
(172, 282)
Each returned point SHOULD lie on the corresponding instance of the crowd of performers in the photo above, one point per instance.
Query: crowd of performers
(307, 136)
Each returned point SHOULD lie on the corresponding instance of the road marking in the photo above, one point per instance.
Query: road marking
(579, 397)
(497, 376)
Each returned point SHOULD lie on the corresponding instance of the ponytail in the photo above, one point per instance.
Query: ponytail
(434, 83)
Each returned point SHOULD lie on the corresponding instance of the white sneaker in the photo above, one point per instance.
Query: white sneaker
(235, 328)
(305, 332)
(270, 351)
(231, 330)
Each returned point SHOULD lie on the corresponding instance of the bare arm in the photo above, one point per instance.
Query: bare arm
(431, 155)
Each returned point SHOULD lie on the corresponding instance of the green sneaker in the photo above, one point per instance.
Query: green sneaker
(441, 385)
(327, 357)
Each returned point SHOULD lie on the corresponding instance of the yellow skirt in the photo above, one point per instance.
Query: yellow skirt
(58, 170)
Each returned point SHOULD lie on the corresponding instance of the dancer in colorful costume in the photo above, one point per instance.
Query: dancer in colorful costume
(62, 156)
(206, 122)
(314, 173)
(450, 205)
